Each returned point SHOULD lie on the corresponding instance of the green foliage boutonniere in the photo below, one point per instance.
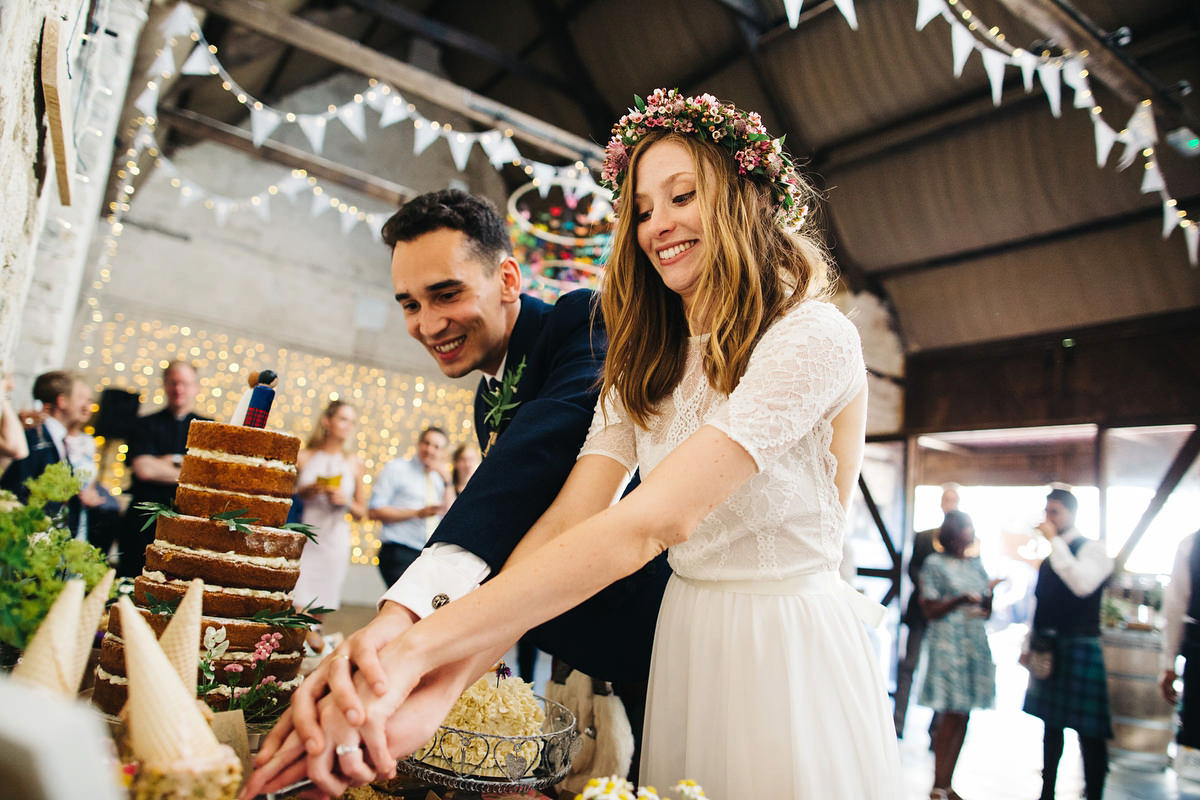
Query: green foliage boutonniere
(500, 401)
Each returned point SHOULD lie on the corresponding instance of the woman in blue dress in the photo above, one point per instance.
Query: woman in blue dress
(959, 672)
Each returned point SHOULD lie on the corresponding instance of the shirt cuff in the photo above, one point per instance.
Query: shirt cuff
(441, 574)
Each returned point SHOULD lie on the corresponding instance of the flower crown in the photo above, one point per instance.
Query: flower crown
(741, 133)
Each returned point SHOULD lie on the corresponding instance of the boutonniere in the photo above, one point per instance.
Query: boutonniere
(500, 403)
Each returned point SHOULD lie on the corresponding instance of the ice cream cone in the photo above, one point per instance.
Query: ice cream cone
(49, 660)
(181, 639)
(165, 727)
(89, 621)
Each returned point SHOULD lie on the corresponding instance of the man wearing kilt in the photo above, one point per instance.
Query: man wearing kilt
(1075, 693)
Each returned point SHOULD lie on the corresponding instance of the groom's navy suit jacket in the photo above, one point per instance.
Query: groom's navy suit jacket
(609, 636)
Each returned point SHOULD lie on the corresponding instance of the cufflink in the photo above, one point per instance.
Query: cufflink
(440, 600)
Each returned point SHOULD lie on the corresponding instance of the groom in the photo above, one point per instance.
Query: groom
(459, 287)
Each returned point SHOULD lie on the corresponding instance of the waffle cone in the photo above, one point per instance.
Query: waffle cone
(49, 660)
(165, 727)
(89, 621)
(181, 639)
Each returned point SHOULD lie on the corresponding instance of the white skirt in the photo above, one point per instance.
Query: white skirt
(755, 693)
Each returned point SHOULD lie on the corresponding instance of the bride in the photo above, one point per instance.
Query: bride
(741, 396)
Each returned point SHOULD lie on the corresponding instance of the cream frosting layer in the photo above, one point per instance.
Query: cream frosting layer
(283, 501)
(159, 577)
(237, 558)
(233, 458)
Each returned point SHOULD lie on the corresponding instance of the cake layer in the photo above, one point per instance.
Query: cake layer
(242, 634)
(232, 477)
(210, 534)
(219, 601)
(243, 440)
(111, 691)
(200, 501)
(223, 569)
(283, 665)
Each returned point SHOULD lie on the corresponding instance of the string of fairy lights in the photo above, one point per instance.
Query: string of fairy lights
(393, 407)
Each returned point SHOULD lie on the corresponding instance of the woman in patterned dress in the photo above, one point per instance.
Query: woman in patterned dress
(959, 672)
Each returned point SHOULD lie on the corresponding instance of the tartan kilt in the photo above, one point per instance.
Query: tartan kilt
(1076, 694)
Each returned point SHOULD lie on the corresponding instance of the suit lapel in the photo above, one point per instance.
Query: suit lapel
(524, 336)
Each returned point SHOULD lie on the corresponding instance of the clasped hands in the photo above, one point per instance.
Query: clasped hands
(364, 707)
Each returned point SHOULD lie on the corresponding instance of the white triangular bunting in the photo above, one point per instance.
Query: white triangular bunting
(188, 194)
(375, 226)
(313, 126)
(351, 116)
(200, 62)
(348, 221)
(320, 205)
(1051, 77)
(1152, 180)
(847, 9)
(263, 207)
(263, 122)
(1170, 218)
(460, 148)
(1105, 137)
(545, 175)
(147, 101)
(928, 11)
(962, 42)
(792, 7)
(1142, 124)
(1131, 151)
(492, 143)
(181, 20)
(1028, 62)
(1192, 234)
(392, 111)
(994, 63)
(221, 210)
(1073, 75)
(291, 185)
(164, 64)
(423, 136)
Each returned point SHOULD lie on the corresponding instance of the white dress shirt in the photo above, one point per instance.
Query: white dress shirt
(1175, 602)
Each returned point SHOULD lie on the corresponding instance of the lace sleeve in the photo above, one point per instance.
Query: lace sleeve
(806, 368)
(611, 436)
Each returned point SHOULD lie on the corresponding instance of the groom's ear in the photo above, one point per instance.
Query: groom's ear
(510, 280)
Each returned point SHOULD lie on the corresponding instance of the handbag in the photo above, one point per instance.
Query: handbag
(1041, 656)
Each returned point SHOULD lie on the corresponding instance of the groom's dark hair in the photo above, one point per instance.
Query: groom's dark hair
(455, 210)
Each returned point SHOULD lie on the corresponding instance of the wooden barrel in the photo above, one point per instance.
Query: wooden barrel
(1143, 722)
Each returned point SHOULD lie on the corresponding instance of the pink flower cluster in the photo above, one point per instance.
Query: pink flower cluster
(268, 644)
(741, 133)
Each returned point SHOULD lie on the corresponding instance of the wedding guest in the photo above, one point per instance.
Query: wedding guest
(1069, 588)
(409, 498)
(464, 461)
(746, 417)
(914, 618)
(960, 675)
(99, 513)
(12, 434)
(330, 482)
(157, 443)
(1181, 637)
(66, 401)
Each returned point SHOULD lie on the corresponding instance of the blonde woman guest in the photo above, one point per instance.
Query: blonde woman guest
(463, 462)
(740, 396)
(330, 483)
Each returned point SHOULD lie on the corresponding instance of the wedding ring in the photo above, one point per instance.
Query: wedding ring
(343, 749)
(336, 656)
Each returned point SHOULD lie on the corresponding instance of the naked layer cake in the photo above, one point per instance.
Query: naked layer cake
(235, 488)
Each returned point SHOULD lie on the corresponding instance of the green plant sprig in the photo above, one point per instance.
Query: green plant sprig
(155, 510)
(291, 618)
(301, 527)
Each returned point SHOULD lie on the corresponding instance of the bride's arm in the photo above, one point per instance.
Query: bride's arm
(539, 585)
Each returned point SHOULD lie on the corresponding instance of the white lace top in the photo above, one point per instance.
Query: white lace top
(786, 520)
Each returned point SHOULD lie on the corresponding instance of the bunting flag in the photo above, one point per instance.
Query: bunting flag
(847, 9)
(792, 7)
(320, 204)
(180, 21)
(392, 111)
(314, 129)
(147, 101)
(292, 184)
(499, 148)
(1028, 62)
(261, 206)
(1192, 235)
(1170, 218)
(962, 42)
(1051, 77)
(1074, 74)
(423, 136)
(994, 63)
(263, 122)
(928, 11)
(348, 221)
(460, 149)
(351, 115)
(164, 64)
(200, 62)
(1152, 179)
(1105, 138)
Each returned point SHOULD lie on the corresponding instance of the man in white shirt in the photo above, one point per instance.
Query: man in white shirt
(1066, 622)
(66, 402)
(408, 498)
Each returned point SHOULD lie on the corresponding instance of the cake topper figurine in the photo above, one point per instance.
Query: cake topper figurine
(256, 401)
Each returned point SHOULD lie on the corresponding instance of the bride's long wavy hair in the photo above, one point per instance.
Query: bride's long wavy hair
(753, 272)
